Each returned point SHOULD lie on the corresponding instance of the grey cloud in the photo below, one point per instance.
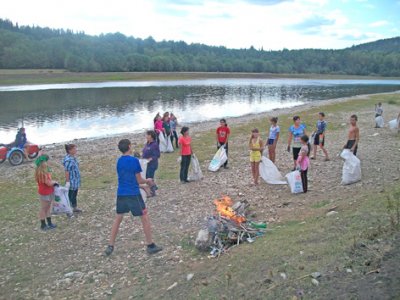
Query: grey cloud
(312, 24)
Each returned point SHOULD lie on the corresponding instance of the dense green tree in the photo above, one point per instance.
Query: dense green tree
(36, 47)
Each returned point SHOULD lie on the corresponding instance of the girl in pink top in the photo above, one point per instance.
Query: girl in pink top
(186, 152)
(303, 161)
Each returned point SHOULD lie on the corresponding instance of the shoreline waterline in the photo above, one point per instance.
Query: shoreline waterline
(202, 126)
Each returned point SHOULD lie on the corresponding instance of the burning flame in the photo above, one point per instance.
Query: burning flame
(224, 208)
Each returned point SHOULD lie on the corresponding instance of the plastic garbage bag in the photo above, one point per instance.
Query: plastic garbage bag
(195, 173)
(143, 194)
(393, 124)
(351, 168)
(218, 160)
(294, 180)
(379, 122)
(163, 142)
(143, 164)
(170, 148)
(61, 204)
(270, 173)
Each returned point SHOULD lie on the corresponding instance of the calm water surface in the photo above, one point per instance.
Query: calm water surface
(61, 112)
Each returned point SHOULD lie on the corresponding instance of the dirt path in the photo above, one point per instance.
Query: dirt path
(40, 264)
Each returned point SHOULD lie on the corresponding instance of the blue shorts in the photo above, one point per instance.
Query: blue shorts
(133, 204)
(271, 141)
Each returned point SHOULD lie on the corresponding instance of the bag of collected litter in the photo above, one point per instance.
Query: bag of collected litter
(218, 160)
(163, 142)
(143, 164)
(270, 173)
(393, 124)
(195, 173)
(379, 122)
(295, 184)
(61, 204)
(351, 168)
(170, 148)
(144, 195)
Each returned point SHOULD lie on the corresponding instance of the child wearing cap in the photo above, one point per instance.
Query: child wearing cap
(45, 190)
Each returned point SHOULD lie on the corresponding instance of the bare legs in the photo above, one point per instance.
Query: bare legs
(271, 152)
(146, 228)
(323, 150)
(45, 207)
(255, 171)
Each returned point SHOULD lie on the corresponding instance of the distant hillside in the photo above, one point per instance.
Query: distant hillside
(23, 47)
(386, 45)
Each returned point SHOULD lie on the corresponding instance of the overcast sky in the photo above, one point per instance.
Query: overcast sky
(271, 24)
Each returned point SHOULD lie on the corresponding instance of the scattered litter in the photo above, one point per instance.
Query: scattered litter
(283, 275)
(172, 286)
(315, 282)
(316, 275)
(331, 213)
(189, 276)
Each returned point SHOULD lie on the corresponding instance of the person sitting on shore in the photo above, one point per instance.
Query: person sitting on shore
(353, 135)
(21, 141)
(319, 136)
(129, 198)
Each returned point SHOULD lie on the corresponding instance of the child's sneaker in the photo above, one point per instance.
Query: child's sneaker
(152, 249)
(51, 226)
(109, 250)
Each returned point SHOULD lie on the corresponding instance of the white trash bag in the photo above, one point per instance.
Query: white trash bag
(61, 204)
(163, 142)
(218, 160)
(393, 124)
(270, 173)
(143, 194)
(195, 173)
(379, 122)
(351, 168)
(170, 148)
(295, 183)
(143, 164)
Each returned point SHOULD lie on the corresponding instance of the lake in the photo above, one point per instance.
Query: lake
(55, 113)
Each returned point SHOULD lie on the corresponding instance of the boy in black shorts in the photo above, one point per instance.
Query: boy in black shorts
(129, 198)
(353, 135)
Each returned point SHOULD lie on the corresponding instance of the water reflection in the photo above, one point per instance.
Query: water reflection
(56, 113)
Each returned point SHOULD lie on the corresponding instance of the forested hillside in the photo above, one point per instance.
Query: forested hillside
(23, 47)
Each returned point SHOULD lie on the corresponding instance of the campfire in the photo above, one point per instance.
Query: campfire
(228, 227)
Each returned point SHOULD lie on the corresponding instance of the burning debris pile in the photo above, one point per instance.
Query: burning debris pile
(228, 227)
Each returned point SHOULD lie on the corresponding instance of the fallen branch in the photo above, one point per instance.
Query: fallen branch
(373, 271)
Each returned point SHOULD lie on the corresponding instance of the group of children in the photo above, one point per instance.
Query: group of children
(129, 170)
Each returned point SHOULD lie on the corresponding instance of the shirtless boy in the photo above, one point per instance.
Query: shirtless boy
(353, 135)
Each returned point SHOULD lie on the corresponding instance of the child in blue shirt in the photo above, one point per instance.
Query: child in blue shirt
(319, 136)
(129, 198)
